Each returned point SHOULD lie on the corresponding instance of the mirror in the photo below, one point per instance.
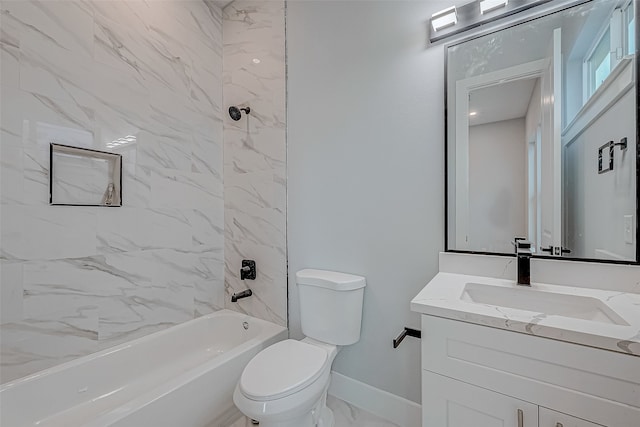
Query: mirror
(541, 136)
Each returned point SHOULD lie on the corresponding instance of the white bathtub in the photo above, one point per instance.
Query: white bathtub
(183, 376)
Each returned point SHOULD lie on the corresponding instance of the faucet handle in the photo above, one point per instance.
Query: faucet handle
(248, 270)
(524, 252)
(521, 243)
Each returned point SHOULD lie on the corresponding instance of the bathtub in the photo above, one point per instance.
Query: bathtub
(183, 376)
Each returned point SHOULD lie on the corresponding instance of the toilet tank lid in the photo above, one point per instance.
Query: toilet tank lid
(330, 279)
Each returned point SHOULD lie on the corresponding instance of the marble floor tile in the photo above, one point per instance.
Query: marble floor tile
(243, 422)
(346, 415)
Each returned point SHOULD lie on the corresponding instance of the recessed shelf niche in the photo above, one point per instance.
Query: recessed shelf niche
(84, 177)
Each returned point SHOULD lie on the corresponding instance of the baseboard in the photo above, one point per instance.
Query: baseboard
(390, 407)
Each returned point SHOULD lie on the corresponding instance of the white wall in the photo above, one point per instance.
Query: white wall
(497, 185)
(365, 168)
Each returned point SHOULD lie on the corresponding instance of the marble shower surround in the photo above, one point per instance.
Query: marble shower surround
(75, 280)
(255, 155)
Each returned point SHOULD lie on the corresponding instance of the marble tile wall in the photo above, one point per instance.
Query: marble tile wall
(75, 280)
(255, 155)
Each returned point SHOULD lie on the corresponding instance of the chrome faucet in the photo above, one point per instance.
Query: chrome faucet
(523, 253)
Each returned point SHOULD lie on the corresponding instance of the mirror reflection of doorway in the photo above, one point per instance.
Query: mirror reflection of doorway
(498, 114)
(498, 134)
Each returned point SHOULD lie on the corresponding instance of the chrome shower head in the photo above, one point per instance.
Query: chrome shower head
(235, 112)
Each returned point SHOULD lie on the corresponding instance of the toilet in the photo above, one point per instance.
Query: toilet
(285, 385)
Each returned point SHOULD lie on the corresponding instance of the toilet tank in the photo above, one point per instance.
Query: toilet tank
(330, 305)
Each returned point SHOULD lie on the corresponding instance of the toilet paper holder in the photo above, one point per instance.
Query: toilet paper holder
(407, 331)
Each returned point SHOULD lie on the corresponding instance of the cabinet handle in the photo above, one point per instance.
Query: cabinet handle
(520, 418)
(559, 425)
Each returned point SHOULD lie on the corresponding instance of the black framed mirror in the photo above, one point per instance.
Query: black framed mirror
(542, 137)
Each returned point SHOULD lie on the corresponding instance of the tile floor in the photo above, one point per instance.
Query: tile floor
(346, 415)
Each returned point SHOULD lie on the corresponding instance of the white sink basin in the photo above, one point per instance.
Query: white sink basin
(607, 319)
(548, 303)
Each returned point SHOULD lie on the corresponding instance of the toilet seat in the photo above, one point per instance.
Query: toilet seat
(282, 369)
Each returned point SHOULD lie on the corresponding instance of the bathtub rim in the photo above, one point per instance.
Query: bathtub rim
(126, 345)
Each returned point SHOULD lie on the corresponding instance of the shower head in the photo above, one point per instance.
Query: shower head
(235, 112)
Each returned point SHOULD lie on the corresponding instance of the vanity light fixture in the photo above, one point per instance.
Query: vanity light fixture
(473, 113)
(489, 5)
(445, 18)
(462, 18)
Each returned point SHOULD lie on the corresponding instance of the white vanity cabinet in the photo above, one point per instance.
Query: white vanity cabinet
(549, 418)
(452, 403)
(477, 376)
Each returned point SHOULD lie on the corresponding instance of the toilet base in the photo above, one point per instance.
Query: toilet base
(326, 418)
(304, 421)
(310, 419)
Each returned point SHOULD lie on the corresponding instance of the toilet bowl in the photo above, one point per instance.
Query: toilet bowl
(285, 385)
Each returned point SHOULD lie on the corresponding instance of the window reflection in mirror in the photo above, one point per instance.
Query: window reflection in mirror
(536, 114)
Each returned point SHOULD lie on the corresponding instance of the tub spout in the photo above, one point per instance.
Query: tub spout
(240, 295)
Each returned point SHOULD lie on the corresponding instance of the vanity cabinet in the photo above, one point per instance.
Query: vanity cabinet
(549, 418)
(474, 375)
(452, 403)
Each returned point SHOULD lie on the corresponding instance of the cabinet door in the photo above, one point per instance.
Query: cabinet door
(549, 418)
(451, 403)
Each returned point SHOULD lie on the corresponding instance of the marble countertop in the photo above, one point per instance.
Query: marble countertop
(445, 296)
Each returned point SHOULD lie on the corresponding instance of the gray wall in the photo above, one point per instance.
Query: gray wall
(365, 168)
(597, 204)
(497, 185)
